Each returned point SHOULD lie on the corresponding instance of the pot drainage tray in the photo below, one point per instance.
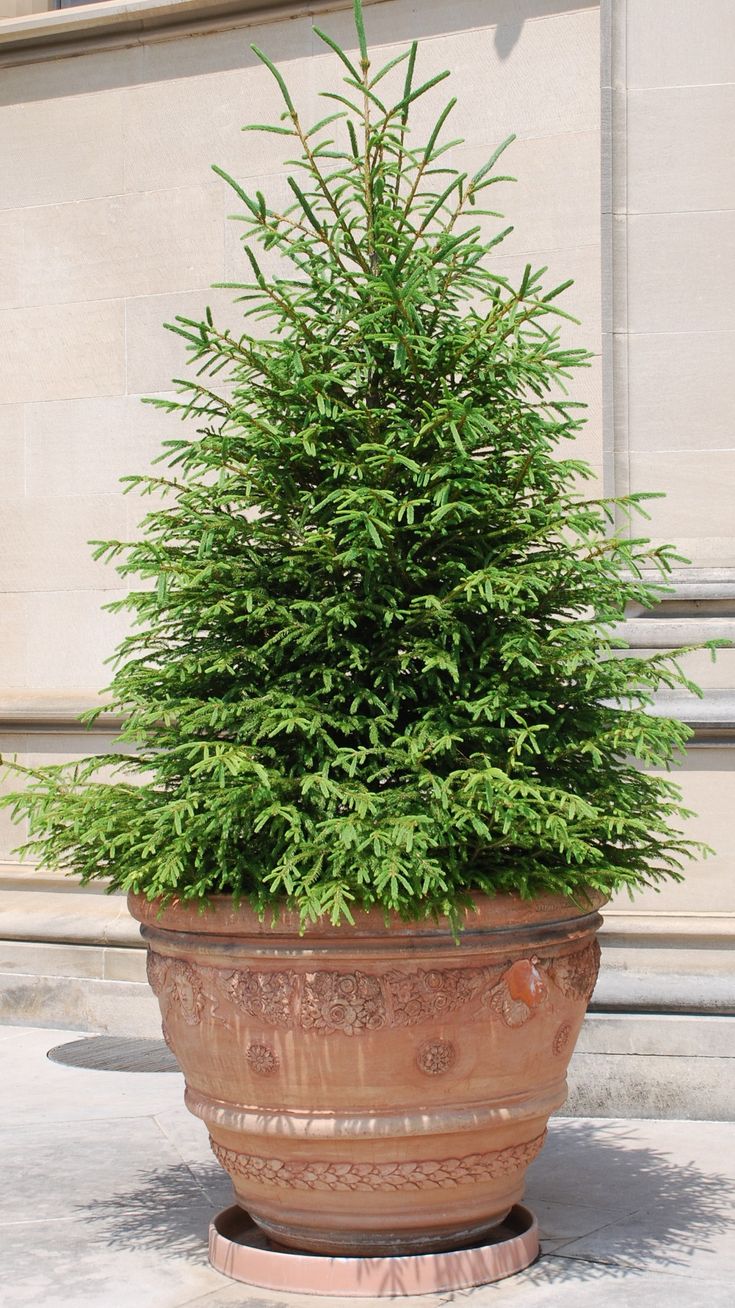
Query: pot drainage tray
(115, 1054)
(239, 1249)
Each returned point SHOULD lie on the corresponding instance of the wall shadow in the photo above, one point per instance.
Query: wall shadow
(188, 53)
(507, 33)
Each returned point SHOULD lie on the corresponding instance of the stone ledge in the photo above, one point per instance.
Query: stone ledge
(46, 959)
(49, 906)
(671, 1035)
(694, 584)
(79, 1004)
(673, 632)
(621, 926)
(711, 717)
(62, 32)
(58, 917)
(25, 876)
(714, 711)
(653, 1066)
(663, 992)
(651, 1086)
(29, 710)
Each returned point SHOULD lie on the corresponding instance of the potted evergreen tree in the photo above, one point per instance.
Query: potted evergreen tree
(385, 743)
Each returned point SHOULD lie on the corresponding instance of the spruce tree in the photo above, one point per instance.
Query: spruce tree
(373, 657)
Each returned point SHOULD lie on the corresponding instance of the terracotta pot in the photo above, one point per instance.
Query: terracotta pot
(375, 1089)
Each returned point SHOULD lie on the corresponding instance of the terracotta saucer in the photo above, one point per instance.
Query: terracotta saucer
(239, 1249)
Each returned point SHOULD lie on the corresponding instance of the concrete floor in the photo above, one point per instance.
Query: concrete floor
(108, 1185)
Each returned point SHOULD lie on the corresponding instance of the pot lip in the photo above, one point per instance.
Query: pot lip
(501, 912)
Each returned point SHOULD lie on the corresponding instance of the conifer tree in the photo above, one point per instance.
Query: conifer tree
(373, 658)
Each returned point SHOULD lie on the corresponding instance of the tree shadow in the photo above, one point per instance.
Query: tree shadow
(169, 1211)
(609, 1204)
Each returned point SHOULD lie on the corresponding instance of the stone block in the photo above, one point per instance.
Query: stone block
(124, 964)
(677, 395)
(144, 243)
(90, 443)
(496, 52)
(65, 147)
(279, 197)
(12, 451)
(555, 201)
(62, 351)
(697, 485)
(706, 779)
(11, 267)
(217, 106)
(68, 918)
(674, 1035)
(582, 300)
(672, 43)
(679, 268)
(678, 148)
(107, 1007)
(616, 280)
(13, 641)
(156, 356)
(12, 834)
(20, 8)
(48, 541)
(146, 428)
(44, 959)
(55, 742)
(709, 673)
(585, 387)
(615, 146)
(57, 659)
(75, 444)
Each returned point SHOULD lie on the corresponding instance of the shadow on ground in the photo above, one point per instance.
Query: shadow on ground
(643, 1207)
(169, 1211)
(637, 1207)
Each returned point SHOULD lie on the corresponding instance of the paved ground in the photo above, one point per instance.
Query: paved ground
(108, 1185)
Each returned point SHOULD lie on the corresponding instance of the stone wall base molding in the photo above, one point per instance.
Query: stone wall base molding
(672, 1066)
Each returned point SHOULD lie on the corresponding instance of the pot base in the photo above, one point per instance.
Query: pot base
(240, 1250)
(368, 1244)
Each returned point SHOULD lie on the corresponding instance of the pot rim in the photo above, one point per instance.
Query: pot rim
(218, 916)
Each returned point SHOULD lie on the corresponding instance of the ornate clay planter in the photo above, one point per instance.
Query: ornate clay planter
(374, 1090)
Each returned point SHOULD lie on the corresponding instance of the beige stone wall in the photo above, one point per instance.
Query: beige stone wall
(668, 332)
(20, 8)
(674, 263)
(23, 8)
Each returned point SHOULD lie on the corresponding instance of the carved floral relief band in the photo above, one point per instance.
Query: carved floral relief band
(427, 1174)
(327, 1001)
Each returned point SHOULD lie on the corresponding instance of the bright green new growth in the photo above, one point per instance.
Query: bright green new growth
(376, 665)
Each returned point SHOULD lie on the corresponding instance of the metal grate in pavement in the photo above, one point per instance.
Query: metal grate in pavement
(115, 1054)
